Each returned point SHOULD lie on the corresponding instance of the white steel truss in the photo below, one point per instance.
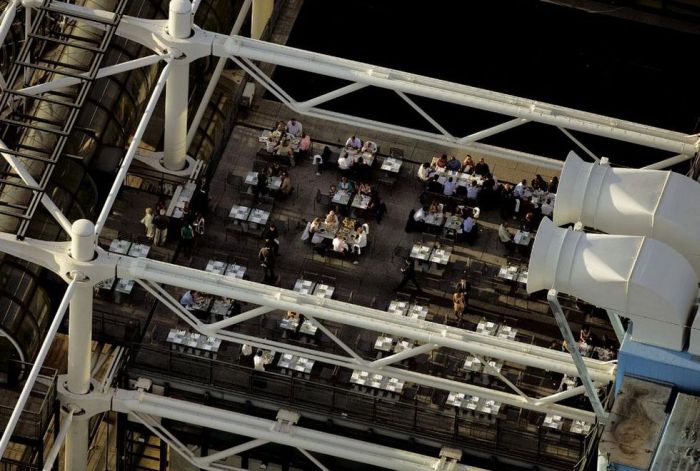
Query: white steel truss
(82, 264)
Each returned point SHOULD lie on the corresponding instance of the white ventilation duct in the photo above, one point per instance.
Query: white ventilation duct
(641, 278)
(659, 204)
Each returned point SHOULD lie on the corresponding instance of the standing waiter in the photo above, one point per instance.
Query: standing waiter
(409, 274)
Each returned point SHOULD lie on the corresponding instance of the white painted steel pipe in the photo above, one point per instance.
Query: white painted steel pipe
(677, 159)
(493, 130)
(460, 94)
(367, 318)
(659, 204)
(8, 16)
(103, 72)
(516, 400)
(180, 19)
(332, 95)
(241, 424)
(28, 179)
(77, 441)
(80, 340)
(83, 240)
(214, 80)
(58, 442)
(641, 278)
(133, 148)
(177, 90)
(36, 368)
(176, 102)
(220, 455)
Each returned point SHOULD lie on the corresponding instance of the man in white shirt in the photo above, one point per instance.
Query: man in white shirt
(354, 142)
(258, 362)
(469, 229)
(370, 147)
(547, 208)
(419, 216)
(425, 171)
(339, 245)
(187, 300)
(468, 225)
(473, 191)
(294, 127)
(519, 189)
(505, 237)
(345, 162)
(449, 187)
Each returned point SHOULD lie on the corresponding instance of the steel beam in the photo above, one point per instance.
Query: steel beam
(264, 429)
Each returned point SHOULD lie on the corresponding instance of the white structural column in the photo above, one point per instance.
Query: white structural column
(262, 10)
(80, 342)
(177, 90)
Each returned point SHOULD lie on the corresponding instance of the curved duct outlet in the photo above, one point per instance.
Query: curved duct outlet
(659, 204)
(641, 278)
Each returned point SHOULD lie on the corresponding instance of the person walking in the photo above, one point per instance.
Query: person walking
(271, 237)
(187, 239)
(161, 223)
(147, 221)
(409, 274)
(459, 305)
(267, 262)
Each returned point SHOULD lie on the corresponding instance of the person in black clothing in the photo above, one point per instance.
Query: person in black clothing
(409, 274)
(161, 222)
(200, 199)
(482, 168)
(272, 238)
(261, 187)
(267, 262)
(187, 238)
(434, 186)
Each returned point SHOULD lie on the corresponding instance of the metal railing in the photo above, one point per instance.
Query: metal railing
(414, 413)
(38, 413)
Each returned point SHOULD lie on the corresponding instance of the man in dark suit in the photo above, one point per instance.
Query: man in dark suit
(434, 186)
(408, 270)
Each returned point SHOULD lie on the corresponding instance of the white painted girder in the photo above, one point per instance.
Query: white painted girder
(360, 316)
(151, 34)
(255, 427)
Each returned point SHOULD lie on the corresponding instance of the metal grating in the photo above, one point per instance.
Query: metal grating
(20, 120)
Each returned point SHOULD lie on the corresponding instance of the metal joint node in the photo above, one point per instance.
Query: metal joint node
(285, 420)
(89, 404)
(77, 276)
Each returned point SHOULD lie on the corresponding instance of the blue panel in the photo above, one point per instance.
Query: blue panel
(658, 364)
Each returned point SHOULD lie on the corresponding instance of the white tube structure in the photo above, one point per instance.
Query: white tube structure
(80, 342)
(299, 437)
(473, 97)
(640, 278)
(103, 72)
(28, 179)
(358, 316)
(36, 368)
(133, 147)
(8, 16)
(177, 90)
(58, 443)
(245, 8)
(659, 204)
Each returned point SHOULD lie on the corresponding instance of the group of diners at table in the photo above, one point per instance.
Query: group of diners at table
(474, 369)
(287, 141)
(329, 235)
